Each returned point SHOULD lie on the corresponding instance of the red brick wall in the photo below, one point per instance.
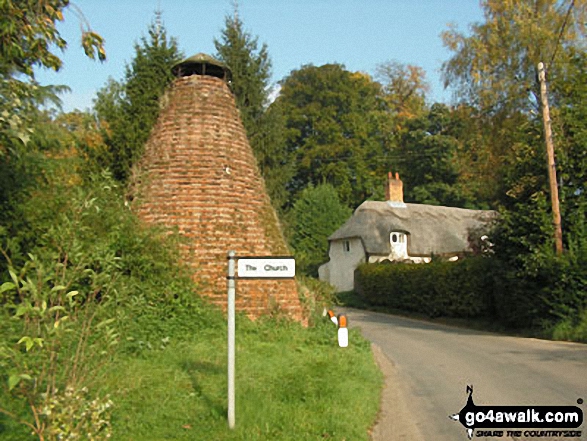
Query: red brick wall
(199, 174)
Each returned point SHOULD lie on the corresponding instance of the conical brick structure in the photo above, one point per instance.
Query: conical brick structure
(199, 174)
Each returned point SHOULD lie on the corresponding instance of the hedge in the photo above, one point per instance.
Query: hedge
(550, 294)
(449, 289)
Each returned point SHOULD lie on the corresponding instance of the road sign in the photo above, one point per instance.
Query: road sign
(266, 267)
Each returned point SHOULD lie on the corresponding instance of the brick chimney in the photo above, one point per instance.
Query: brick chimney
(394, 190)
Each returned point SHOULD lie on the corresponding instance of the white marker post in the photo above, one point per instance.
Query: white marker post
(332, 317)
(231, 337)
(343, 332)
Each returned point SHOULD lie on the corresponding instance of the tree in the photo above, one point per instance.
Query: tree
(251, 72)
(81, 134)
(493, 71)
(29, 36)
(571, 127)
(496, 66)
(337, 130)
(314, 217)
(274, 162)
(404, 87)
(28, 31)
(130, 108)
(428, 160)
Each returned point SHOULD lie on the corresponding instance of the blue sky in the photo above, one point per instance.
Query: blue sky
(357, 33)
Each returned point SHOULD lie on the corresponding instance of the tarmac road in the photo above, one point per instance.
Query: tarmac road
(429, 367)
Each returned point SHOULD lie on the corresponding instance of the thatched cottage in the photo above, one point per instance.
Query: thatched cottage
(396, 231)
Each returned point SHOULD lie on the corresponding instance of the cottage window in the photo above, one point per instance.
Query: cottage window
(399, 245)
(398, 238)
(346, 246)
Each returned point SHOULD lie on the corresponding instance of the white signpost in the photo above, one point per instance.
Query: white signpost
(248, 268)
(266, 267)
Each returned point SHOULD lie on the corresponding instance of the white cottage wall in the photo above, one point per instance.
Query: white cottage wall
(345, 256)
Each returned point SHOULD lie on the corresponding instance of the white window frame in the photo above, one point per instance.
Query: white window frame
(400, 242)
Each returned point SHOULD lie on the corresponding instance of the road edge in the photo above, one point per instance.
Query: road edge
(394, 422)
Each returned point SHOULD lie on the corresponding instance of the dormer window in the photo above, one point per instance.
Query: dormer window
(398, 238)
(399, 245)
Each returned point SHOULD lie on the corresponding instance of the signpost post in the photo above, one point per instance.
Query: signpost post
(231, 337)
(248, 268)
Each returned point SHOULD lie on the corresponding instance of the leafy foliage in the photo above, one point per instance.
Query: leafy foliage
(29, 36)
(251, 72)
(544, 289)
(315, 295)
(72, 415)
(496, 66)
(130, 108)
(429, 150)
(28, 32)
(92, 276)
(439, 289)
(274, 162)
(315, 215)
(494, 71)
(337, 127)
(571, 143)
(404, 87)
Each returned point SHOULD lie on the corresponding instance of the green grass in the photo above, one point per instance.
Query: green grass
(292, 383)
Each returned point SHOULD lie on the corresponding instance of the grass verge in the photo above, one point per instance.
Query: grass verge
(292, 383)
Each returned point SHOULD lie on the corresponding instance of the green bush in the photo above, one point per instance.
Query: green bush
(315, 296)
(548, 294)
(538, 289)
(92, 279)
(448, 289)
(569, 329)
(316, 214)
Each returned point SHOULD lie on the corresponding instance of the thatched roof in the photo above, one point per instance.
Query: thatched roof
(431, 229)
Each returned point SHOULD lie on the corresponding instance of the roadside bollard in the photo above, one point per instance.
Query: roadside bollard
(332, 317)
(343, 332)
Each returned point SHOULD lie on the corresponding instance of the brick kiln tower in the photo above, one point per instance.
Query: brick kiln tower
(199, 174)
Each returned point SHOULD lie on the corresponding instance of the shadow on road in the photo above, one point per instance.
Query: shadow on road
(412, 323)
